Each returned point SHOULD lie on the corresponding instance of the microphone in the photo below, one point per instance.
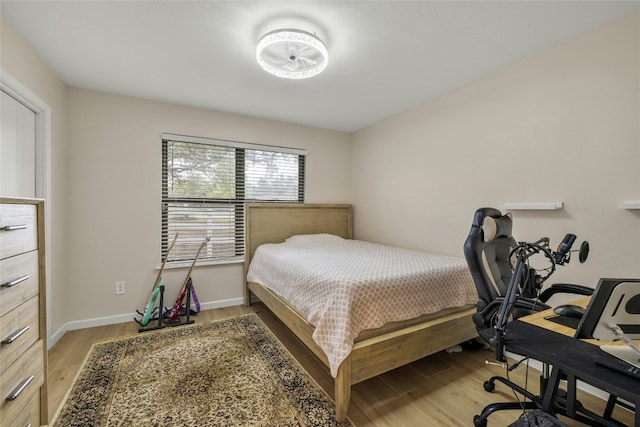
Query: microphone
(563, 248)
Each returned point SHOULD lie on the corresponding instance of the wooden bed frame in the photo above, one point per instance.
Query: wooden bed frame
(380, 352)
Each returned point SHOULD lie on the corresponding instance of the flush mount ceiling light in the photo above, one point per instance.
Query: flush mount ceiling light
(292, 54)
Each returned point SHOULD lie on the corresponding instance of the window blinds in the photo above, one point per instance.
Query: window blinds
(205, 184)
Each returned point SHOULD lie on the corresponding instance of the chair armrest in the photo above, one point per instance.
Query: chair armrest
(565, 288)
(482, 318)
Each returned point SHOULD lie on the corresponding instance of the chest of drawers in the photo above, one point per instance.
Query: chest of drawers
(23, 349)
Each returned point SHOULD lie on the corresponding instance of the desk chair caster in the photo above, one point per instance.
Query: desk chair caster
(478, 421)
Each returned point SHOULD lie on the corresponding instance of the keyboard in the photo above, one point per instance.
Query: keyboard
(619, 365)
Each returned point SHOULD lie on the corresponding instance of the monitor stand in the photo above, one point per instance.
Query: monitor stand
(630, 352)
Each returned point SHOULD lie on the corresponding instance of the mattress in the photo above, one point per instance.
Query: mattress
(343, 287)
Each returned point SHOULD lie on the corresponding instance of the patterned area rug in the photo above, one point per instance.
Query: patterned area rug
(232, 372)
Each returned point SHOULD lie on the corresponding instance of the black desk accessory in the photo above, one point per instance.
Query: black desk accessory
(569, 310)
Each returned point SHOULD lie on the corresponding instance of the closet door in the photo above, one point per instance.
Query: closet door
(17, 149)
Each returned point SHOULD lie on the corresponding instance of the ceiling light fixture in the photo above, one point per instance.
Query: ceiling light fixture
(292, 54)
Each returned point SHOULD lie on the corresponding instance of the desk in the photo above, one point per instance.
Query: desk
(571, 357)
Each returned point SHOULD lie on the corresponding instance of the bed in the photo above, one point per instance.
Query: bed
(374, 351)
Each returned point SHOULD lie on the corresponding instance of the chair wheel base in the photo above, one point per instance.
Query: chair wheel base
(478, 421)
(489, 386)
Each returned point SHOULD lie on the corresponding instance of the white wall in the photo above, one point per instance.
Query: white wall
(115, 195)
(562, 125)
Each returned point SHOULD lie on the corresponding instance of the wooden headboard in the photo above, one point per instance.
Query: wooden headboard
(276, 222)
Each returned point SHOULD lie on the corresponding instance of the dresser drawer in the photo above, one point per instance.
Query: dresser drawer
(29, 416)
(18, 229)
(19, 329)
(23, 271)
(12, 378)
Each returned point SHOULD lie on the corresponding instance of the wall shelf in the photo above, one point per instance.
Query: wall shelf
(532, 206)
(630, 204)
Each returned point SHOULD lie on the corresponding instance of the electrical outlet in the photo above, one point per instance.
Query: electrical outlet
(120, 287)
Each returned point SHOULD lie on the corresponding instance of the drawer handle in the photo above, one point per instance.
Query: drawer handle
(15, 281)
(14, 336)
(14, 227)
(20, 388)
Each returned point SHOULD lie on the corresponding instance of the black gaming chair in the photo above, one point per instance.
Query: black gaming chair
(487, 251)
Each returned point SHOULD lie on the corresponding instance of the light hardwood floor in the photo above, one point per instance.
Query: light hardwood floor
(444, 389)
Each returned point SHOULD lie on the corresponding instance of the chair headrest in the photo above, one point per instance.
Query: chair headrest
(497, 227)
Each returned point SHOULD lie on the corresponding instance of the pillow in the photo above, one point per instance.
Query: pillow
(497, 227)
(313, 238)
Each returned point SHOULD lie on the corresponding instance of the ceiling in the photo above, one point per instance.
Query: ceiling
(384, 56)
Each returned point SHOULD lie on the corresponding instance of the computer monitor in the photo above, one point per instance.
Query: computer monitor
(614, 302)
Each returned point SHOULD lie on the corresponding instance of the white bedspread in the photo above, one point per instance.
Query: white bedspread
(346, 286)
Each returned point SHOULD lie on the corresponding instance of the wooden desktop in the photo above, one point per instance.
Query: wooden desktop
(541, 319)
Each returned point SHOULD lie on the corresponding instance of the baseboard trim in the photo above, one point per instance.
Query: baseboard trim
(123, 318)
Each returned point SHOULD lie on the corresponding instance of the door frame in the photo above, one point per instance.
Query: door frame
(22, 94)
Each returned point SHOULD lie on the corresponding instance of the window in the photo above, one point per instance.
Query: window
(205, 184)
